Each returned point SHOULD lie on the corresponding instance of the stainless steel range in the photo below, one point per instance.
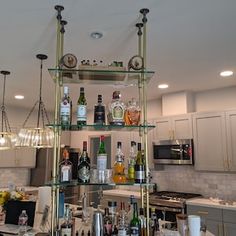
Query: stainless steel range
(168, 204)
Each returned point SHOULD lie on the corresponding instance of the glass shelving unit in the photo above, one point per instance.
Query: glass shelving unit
(93, 76)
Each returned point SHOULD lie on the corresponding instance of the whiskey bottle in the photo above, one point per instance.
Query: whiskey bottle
(119, 167)
(65, 168)
(81, 109)
(116, 110)
(131, 162)
(84, 166)
(139, 167)
(66, 109)
(99, 112)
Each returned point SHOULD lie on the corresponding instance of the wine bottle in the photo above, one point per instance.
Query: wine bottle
(99, 112)
(66, 109)
(82, 108)
(135, 223)
(84, 166)
(139, 167)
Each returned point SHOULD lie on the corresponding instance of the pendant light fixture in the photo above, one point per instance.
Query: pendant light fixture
(39, 136)
(7, 138)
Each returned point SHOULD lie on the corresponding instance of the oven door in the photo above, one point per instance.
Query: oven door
(176, 152)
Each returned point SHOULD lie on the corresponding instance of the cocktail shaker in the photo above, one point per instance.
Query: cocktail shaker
(97, 224)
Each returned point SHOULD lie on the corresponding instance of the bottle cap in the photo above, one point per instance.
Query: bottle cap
(84, 145)
(139, 146)
(141, 211)
(112, 204)
(133, 143)
(102, 137)
(116, 95)
(99, 98)
(81, 89)
(66, 90)
(119, 144)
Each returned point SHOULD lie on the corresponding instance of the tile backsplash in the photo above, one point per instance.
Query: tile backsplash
(186, 179)
(18, 176)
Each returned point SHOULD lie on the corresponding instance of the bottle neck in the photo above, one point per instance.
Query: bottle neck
(101, 148)
(135, 210)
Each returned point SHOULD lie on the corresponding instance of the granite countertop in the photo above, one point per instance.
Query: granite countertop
(211, 202)
(121, 193)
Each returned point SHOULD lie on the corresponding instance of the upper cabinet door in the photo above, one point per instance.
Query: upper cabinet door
(163, 129)
(8, 158)
(182, 126)
(209, 131)
(231, 138)
(25, 157)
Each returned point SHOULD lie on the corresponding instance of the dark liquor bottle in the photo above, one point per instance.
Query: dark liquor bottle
(99, 112)
(84, 166)
(82, 108)
(135, 223)
(107, 222)
(139, 167)
(65, 168)
(67, 226)
(66, 108)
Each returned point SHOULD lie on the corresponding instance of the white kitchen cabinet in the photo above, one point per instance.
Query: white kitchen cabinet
(7, 158)
(231, 139)
(173, 127)
(214, 141)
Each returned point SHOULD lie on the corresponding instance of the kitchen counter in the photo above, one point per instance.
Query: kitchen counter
(121, 193)
(206, 202)
(26, 188)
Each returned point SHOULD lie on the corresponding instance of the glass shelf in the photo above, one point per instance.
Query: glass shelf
(93, 127)
(91, 76)
(76, 183)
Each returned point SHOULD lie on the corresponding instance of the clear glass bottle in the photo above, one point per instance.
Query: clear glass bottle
(122, 221)
(99, 112)
(119, 166)
(153, 222)
(112, 205)
(131, 162)
(84, 166)
(66, 109)
(143, 222)
(23, 222)
(131, 208)
(67, 226)
(82, 108)
(132, 113)
(65, 167)
(116, 110)
(139, 167)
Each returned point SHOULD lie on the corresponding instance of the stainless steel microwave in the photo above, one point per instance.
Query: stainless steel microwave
(175, 152)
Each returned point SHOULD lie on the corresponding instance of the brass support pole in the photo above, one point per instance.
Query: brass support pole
(145, 139)
(56, 128)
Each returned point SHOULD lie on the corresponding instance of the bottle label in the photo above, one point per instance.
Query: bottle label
(108, 228)
(102, 161)
(117, 113)
(140, 176)
(65, 173)
(134, 231)
(122, 232)
(84, 173)
(99, 115)
(65, 112)
(66, 232)
(131, 172)
(81, 113)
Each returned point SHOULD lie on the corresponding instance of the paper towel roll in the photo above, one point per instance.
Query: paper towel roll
(44, 198)
(194, 225)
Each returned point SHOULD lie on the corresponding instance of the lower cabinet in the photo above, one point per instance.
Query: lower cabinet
(219, 222)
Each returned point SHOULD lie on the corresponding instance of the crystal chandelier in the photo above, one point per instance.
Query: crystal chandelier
(37, 137)
(7, 138)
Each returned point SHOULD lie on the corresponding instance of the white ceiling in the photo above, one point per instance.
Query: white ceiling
(188, 43)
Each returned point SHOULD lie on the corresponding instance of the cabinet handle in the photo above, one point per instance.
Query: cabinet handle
(202, 212)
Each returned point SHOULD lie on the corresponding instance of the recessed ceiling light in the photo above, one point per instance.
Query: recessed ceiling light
(226, 73)
(20, 97)
(163, 86)
(96, 35)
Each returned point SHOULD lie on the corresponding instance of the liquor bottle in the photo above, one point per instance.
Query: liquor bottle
(153, 222)
(143, 222)
(66, 226)
(81, 109)
(122, 221)
(107, 222)
(116, 110)
(84, 166)
(134, 223)
(131, 162)
(119, 167)
(65, 167)
(131, 208)
(101, 156)
(66, 109)
(23, 222)
(139, 167)
(99, 112)
(113, 214)
(132, 113)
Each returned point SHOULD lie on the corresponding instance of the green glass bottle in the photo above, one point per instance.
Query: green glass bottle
(135, 223)
(82, 108)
